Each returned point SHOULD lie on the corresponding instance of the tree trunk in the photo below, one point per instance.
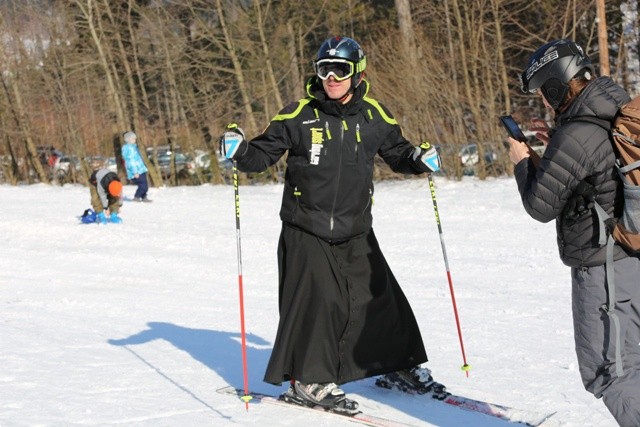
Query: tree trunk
(405, 24)
(113, 92)
(500, 48)
(14, 96)
(10, 166)
(124, 60)
(267, 56)
(238, 71)
(603, 43)
(294, 64)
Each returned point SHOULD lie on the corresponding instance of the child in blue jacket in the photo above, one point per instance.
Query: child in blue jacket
(136, 169)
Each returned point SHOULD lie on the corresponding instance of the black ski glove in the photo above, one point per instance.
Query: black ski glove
(581, 202)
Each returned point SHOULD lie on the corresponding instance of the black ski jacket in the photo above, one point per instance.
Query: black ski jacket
(578, 151)
(329, 178)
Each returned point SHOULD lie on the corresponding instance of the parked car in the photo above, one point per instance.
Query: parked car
(48, 155)
(160, 156)
(202, 160)
(224, 163)
(110, 163)
(95, 161)
(65, 166)
(469, 155)
(184, 165)
(470, 161)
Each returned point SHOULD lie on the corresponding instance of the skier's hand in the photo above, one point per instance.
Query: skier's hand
(517, 150)
(426, 157)
(232, 142)
(541, 129)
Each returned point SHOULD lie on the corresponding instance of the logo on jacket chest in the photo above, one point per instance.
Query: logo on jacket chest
(317, 139)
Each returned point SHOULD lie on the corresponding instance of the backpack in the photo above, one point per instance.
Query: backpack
(624, 133)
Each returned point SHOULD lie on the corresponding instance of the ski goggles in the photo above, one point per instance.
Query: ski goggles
(340, 69)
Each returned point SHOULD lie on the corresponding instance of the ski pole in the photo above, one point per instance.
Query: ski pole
(466, 367)
(246, 398)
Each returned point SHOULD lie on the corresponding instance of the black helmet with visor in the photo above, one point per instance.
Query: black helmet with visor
(342, 58)
(551, 67)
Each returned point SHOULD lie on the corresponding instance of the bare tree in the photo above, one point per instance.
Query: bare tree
(177, 72)
(14, 77)
(405, 25)
(603, 42)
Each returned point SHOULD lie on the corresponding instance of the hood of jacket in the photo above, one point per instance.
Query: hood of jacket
(601, 98)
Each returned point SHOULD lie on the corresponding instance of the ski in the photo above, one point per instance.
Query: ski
(358, 418)
(505, 413)
(529, 418)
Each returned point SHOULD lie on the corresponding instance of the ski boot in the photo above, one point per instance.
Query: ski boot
(328, 396)
(415, 380)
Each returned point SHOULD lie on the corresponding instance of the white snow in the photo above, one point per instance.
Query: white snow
(138, 324)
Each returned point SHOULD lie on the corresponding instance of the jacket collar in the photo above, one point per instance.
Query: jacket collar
(329, 106)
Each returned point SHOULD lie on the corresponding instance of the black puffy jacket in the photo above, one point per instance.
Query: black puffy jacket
(328, 182)
(578, 150)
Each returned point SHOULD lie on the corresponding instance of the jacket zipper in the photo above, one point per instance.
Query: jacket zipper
(335, 196)
(358, 140)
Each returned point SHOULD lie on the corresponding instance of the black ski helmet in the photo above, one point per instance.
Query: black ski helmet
(551, 67)
(344, 48)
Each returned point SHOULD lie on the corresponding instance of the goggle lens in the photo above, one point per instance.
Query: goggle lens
(340, 69)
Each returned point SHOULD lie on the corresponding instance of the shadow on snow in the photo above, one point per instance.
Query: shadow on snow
(218, 350)
(221, 352)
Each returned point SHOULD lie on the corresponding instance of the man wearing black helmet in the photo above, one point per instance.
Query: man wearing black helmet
(577, 168)
(343, 316)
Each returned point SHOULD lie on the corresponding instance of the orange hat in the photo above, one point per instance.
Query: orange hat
(115, 188)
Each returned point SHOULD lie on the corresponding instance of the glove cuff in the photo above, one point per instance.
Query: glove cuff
(242, 149)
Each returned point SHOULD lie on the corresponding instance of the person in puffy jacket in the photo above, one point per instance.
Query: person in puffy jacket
(577, 168)
(343, 315)
(106, 192)
(135, 167)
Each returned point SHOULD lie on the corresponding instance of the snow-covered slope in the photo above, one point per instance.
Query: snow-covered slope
(138, 324)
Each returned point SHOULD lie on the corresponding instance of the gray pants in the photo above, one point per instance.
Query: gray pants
(595, 337)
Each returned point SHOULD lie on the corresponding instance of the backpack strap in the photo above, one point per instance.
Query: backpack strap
(610, 306)
(629, 167)
(603, 216)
